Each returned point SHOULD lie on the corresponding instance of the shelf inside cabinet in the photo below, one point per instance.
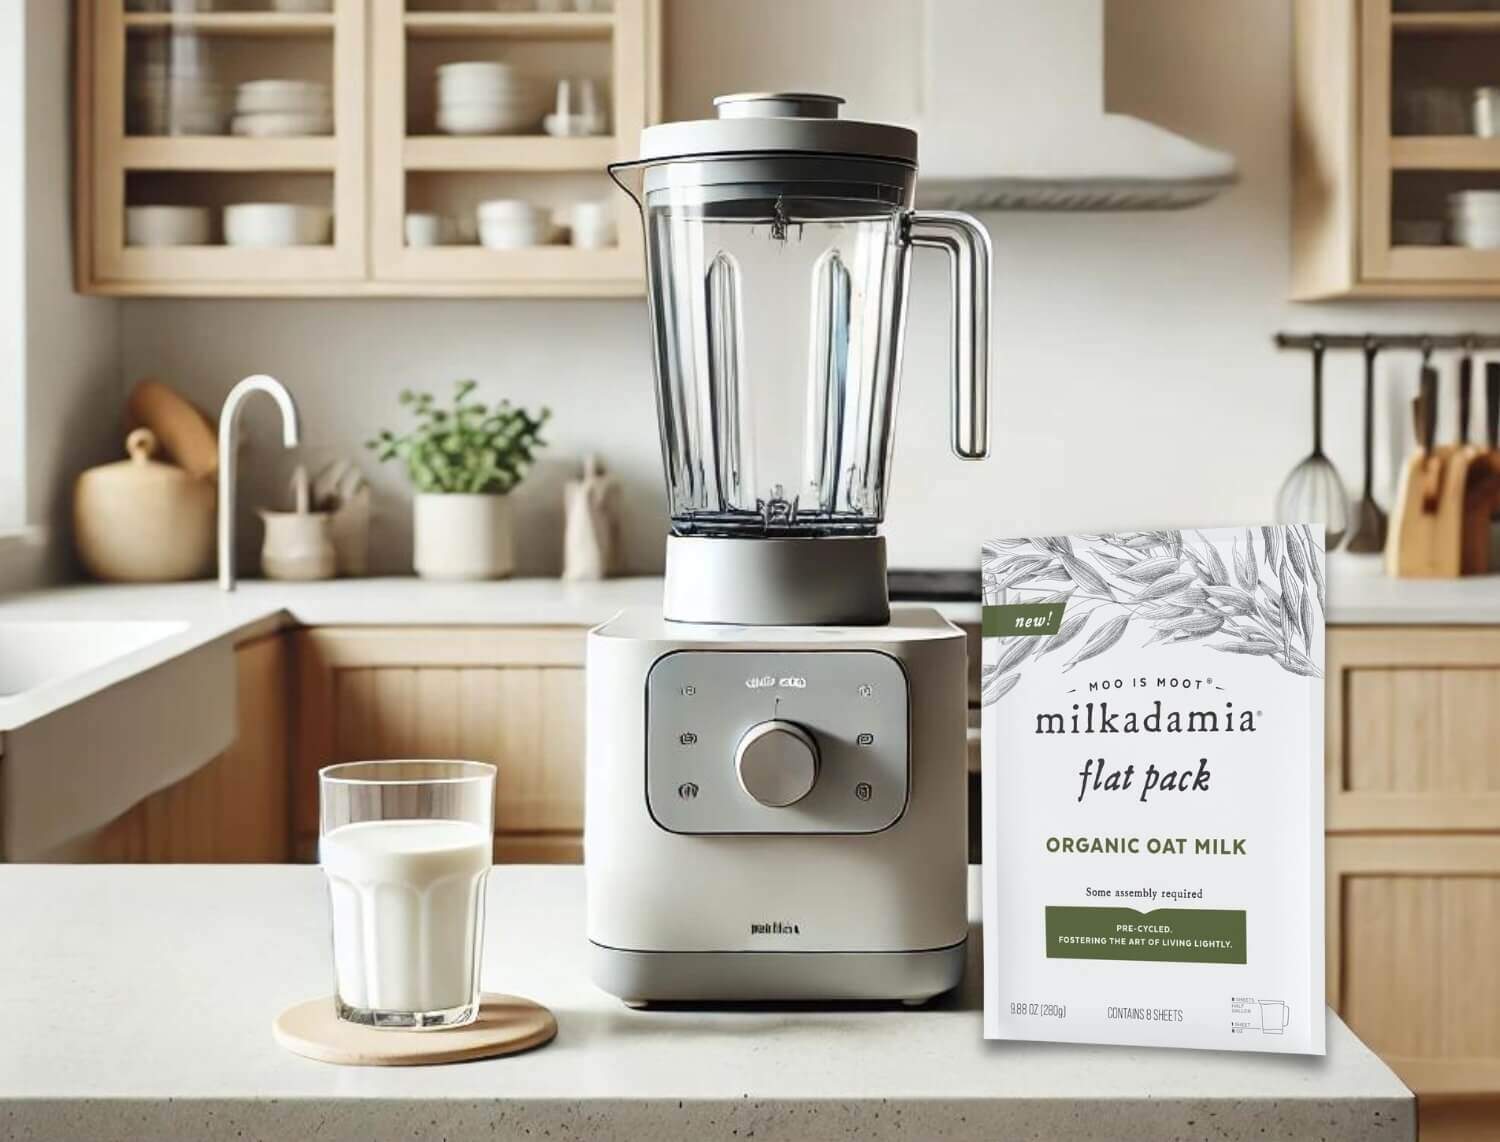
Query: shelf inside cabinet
(1446, 23)
(507, 152)
(511, 25)
(228, 153)
(1444, 153)
(232, 23)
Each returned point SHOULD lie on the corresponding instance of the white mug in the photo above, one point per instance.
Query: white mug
(592, 225)
(425, 229)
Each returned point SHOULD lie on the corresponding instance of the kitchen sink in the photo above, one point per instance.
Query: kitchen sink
(33, 654)
(96, 715)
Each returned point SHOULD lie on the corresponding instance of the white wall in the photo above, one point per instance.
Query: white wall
(70, 348)
(1135, 380)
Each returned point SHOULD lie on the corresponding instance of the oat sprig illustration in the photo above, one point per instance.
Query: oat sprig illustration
(1266, 601)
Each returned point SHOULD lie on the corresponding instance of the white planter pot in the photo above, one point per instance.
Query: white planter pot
(461, 536)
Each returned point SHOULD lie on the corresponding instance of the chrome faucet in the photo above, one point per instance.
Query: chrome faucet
(228, 417)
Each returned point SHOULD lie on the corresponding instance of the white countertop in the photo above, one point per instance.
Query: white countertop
(138, 1003)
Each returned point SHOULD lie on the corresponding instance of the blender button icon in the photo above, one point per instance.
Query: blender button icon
(689, 690)
(687, 790)
(687, 737)
(866, 690)
(865, 739)
(864, 791)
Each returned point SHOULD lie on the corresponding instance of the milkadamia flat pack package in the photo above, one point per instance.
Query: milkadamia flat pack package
(1153, 788)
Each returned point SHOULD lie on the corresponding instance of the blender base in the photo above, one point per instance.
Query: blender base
(750, 977)
(825, 580)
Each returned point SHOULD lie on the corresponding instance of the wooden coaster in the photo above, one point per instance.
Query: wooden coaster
(506, 1024)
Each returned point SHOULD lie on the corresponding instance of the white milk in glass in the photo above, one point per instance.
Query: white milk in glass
(407, 909)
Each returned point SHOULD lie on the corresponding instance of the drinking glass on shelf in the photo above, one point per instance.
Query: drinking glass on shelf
(406, 846)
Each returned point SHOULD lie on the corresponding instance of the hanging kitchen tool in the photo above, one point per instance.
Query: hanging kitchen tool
(1314, 492)
(1427, 525)
(1369, 520)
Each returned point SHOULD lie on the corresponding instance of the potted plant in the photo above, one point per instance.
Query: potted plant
(463, 460)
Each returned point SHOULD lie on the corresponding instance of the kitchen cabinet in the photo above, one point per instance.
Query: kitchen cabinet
(1413, 858)
(384, 158)
(1381, 136)
(513, 696)
(234, 809)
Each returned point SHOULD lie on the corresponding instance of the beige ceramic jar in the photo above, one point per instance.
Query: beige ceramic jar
(143, 521)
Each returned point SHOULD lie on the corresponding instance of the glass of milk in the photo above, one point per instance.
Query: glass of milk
(406, 846)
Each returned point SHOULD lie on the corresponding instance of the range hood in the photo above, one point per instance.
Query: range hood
(1013, 117)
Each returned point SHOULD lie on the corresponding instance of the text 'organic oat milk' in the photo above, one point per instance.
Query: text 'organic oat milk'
(1153, 789)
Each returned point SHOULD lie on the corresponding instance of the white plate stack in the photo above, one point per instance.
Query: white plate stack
(279, 108)
(1474, 219)
(486, 98)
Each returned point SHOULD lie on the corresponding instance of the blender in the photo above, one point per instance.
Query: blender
(776, 760)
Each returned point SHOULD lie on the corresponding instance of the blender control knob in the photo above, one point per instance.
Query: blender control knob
(777, 763)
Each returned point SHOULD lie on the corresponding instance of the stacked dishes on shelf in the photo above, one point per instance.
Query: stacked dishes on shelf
(512, 224)
(485, 98)
(1474, 219)
(278, 108)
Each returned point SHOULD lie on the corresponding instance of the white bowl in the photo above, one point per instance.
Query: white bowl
(301, 5)
(484, 119)
(276, 224)
(167, 225)
(280, 124)
(507, 236)
(285, 95)
(507, 210)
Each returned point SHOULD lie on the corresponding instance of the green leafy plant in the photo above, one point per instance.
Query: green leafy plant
(464, 447)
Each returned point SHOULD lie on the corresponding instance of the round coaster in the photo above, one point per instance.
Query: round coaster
(506, 1024)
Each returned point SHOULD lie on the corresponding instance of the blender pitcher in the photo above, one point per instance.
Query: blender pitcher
(777, 240)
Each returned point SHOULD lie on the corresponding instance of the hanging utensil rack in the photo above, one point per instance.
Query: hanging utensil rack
(1419, 341)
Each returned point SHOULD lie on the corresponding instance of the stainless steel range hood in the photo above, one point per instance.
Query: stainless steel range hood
(1013, 117)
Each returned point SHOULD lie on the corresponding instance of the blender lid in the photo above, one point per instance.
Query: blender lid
(789, 122)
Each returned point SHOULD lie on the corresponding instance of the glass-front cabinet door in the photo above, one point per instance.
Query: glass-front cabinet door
(223, 145)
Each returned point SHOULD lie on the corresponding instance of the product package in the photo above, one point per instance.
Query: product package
(1153, 789)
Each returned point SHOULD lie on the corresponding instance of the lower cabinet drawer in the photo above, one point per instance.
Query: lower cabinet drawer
(1413, 722)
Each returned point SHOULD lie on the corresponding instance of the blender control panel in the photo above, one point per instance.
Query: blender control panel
(777, 741)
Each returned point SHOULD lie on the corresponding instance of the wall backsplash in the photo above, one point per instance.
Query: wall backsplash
(1135, 383)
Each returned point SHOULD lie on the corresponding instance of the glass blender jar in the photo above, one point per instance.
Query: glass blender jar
(778, 239)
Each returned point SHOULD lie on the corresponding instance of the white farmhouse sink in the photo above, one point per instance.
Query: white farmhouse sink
(97, 714)
(33, 654)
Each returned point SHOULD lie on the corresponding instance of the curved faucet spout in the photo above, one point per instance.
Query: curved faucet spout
(229, 416)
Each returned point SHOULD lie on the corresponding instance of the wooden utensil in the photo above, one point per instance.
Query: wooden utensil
(186, 435)
(1427, 525)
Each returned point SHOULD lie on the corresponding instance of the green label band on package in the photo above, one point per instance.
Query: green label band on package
(1172, 935)
(1001, 620)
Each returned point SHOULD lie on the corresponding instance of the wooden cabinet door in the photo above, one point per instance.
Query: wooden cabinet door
(1413, 729)
(1414, 955)
(510, 696)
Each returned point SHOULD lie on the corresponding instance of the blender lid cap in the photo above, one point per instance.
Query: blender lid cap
(778, 121)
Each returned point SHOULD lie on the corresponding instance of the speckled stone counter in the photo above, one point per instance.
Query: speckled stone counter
(137, 1003)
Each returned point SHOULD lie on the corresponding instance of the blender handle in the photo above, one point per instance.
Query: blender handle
(967, 244)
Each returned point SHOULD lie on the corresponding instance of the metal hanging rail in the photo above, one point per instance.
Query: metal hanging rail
(1422, 342)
